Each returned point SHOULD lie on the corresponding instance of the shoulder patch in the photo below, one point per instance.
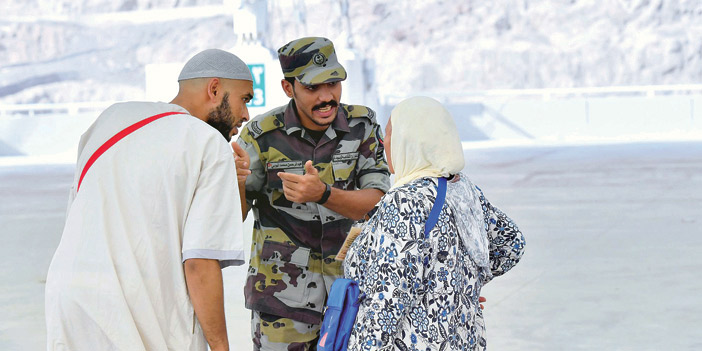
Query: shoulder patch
(355, 111)
(259, 126)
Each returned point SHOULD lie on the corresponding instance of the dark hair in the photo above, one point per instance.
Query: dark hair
(291, 80)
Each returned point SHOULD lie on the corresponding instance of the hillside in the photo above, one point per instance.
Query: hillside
(63, 51)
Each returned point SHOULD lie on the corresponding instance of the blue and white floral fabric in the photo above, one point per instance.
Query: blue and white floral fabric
(423, 294)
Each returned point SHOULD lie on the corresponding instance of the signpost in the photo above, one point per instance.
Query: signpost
(258, 70)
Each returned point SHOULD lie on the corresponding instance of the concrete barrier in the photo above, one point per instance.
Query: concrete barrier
(51, 130)
(54, 130)
(574, 115)
(601, 118)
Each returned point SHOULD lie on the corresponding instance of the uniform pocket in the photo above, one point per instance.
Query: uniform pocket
(286, 267)
(344, 165)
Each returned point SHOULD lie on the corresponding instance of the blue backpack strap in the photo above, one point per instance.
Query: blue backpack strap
(436, 209)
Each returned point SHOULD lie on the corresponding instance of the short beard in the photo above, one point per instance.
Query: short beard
(221, 118)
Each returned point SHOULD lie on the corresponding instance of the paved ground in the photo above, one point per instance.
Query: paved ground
(613, 235)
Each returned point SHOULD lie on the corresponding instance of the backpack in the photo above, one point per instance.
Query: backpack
(345, 296)
(339, 315)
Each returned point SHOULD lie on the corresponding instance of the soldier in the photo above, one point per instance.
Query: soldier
(316, 165)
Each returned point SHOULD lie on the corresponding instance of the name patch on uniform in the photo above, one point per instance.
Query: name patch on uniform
(285, 165)
(346, 156)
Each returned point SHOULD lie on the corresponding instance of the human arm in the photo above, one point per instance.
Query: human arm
(353, 204)
(212, 234)
(505, 241)
(242, 161)
(204, 280)
(255, 177)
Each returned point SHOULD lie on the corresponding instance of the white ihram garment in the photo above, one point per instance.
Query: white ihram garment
(163, 194)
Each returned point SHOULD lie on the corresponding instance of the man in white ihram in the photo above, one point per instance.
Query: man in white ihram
(152, 218)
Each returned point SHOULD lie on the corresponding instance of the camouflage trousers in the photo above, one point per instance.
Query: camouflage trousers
(274, 333)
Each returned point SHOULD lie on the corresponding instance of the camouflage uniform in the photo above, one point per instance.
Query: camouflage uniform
(294, 244)
(292, 261)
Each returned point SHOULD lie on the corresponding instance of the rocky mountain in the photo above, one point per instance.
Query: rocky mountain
(96, 50)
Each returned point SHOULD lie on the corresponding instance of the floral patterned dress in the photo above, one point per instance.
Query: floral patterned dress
(423, 294)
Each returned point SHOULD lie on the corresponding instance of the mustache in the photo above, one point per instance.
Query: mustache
(331, 103)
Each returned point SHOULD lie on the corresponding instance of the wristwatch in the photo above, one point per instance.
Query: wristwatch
(325, 196)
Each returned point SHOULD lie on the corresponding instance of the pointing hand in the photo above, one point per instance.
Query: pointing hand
(303, 188)
(241, 159)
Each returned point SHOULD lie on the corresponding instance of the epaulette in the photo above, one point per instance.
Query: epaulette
(356, 111)
(264, 124)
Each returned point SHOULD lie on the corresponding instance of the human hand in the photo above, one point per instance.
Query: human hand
(482, 299)
(303, 188)
(241, 159)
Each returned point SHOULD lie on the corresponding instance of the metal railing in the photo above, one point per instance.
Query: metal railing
(45, 109)
(551, 93)
(72, 108)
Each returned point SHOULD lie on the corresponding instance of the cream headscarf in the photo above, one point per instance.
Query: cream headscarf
(424, 141)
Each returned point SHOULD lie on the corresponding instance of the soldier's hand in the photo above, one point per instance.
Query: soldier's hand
(303, 188)
(241, 159)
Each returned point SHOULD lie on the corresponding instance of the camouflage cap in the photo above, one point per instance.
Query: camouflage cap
(311, 61)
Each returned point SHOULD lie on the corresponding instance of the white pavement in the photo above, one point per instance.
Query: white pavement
(612, 258)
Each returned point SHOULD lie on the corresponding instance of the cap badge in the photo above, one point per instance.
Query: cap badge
(319, 59)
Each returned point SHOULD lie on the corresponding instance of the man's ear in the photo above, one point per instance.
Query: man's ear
(287, 88)
(213, 89)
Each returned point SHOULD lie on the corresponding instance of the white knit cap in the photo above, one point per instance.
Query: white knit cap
(215, 63)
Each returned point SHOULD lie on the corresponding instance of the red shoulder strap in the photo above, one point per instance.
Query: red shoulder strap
(108, 144)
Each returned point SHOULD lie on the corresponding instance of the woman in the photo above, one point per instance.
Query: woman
(423, 293)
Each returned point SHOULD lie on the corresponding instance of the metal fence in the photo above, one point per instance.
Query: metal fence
(550, 93)
(70, 109)
(73, 108)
